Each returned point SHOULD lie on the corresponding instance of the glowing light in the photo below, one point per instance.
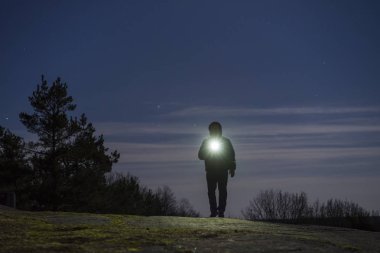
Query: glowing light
(215, 145)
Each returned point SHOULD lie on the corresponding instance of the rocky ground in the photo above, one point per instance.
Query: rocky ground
(82, 232)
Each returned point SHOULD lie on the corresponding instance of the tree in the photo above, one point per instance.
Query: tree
(123, 194)
(14, 169)
(86, 162)
(277, 205)
(167, 201)
(69, 161)
(294, 208)
(185, 209)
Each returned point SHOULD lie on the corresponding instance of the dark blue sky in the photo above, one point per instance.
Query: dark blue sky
(294, 83)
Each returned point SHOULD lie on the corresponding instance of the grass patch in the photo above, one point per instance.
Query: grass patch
(82, 232)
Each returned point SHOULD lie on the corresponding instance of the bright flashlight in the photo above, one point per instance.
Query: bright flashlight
(215, 146)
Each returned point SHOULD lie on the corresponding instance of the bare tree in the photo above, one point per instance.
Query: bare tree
(167, 201)
(186, 209)
(277, 205)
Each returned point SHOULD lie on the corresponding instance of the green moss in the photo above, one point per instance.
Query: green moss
(83, 232)
(350, 248)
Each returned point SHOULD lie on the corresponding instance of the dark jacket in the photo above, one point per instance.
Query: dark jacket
(223, 161)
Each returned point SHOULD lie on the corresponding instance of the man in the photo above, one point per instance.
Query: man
(219, 157)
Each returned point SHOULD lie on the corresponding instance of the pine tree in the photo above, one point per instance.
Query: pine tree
(68, 157)
(14, 169)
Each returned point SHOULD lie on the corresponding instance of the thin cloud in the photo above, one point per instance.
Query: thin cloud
(255, 153)
(299, 129)
(153, 152)
(115, 128)
(215, 111)
(244, 129)
(334, 120)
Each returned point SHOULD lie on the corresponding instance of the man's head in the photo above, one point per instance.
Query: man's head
(215, 129)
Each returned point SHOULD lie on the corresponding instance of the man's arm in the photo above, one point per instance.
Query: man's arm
(231, 150)
(232, 157)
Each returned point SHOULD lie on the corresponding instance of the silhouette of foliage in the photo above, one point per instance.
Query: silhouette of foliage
(184, 208)
(14, 169)
(69, 161)
(278, 206)
(271, 205)
(124, 194)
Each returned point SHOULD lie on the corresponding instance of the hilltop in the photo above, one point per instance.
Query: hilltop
(84, 232)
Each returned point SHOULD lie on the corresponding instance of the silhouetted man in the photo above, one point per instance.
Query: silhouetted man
(219, 156)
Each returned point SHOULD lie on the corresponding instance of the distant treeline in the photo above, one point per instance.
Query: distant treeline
(278, 206)
(67, 166)
(124, 194)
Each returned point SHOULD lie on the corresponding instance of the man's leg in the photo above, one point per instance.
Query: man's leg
(211, 187)
(222, 186)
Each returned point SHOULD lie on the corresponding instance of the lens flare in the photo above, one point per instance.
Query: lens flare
(215, 145)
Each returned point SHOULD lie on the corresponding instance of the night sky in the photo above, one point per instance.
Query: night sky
(295, 85)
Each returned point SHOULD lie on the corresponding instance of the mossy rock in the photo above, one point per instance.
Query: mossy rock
(83, 232)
